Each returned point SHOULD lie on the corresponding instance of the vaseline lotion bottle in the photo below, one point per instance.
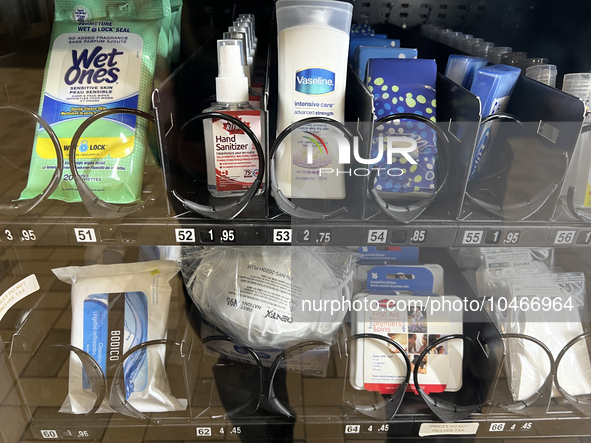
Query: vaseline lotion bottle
(313, 44)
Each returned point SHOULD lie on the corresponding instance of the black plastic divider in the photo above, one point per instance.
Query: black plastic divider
(185, 94)
(526, 164)
(427, 47)
(546, 113)
(458, 115)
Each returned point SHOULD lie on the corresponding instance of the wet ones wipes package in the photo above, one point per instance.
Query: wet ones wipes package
(103, 55)
(114, 308)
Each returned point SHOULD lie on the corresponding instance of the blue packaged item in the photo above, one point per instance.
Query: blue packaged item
(461, 68)
(394, 254)
(120, 311)
(365, 53)
(354, 42)
(493, 86)
(405, 86)
(361, 29)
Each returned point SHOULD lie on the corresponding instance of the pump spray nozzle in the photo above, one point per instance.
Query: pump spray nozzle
(231, 83)
(235, 35)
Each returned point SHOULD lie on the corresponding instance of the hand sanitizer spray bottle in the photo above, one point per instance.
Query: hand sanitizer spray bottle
(232, 161)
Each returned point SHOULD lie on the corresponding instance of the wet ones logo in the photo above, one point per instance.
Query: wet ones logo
(93, 67)
(315, 81)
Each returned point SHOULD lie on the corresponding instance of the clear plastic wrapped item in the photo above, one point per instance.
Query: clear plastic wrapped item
(551, 308)
(116, 308)
(271, 296)
(498, 262)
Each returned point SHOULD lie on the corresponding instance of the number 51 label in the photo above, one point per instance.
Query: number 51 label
(85, 235)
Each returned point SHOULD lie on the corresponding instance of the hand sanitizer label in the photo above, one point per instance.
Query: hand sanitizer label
(236, 159)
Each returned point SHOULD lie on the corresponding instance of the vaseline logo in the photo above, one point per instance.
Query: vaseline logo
(315, 81)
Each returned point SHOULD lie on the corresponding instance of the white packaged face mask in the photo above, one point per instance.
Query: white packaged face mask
(114, 308)
(270, 296)
(554, 320)
(498, 263)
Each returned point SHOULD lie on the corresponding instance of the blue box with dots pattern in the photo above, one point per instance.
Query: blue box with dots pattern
(405, 86)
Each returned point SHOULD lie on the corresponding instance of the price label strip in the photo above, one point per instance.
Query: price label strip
(17, 292)
(430, 429)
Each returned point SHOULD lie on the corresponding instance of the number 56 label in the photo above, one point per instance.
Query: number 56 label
(564, 237)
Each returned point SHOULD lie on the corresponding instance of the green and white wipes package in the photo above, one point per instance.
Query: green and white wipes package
(177, 8)
(102, 56)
